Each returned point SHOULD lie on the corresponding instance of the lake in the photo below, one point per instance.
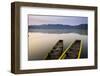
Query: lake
(41, 41)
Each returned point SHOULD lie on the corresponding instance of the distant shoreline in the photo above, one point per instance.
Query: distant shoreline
(58, 26)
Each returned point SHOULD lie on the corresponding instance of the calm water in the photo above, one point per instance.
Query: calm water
(41, 41)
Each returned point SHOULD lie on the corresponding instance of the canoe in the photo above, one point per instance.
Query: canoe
(56, 52)
(73, 51)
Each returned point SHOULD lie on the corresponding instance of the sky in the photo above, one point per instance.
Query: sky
(66, 20)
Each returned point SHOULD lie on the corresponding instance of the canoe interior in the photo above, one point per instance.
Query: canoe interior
(57, 50)
(71, 53)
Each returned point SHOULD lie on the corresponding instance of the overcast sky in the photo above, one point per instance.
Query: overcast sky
(69, 20)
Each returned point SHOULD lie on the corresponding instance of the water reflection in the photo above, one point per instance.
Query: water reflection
(60, 31)
(42, 41)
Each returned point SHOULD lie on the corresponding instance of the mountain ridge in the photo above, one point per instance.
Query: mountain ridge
(58, 26)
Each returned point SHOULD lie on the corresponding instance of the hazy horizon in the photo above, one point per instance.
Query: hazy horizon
(64, 20)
